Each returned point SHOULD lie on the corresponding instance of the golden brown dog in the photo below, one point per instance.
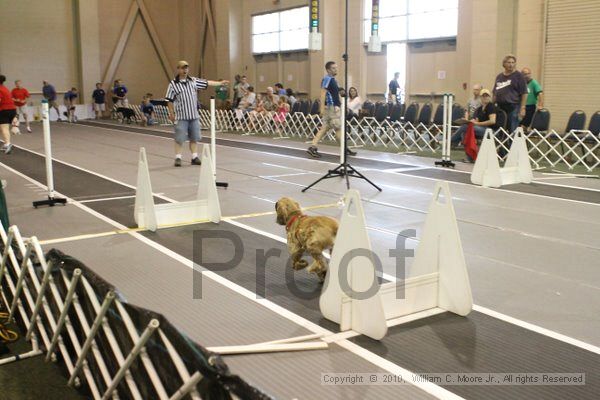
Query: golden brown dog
(306, 234)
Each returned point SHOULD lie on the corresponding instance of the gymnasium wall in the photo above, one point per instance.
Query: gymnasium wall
(74, 42)
(487, 30)
(37, 42)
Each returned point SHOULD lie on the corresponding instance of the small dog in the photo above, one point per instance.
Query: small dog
(306, 234)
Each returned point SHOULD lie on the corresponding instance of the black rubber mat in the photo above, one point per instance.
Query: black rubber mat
(76, 184)
(300, 153)
(447, 343)
(559, 192)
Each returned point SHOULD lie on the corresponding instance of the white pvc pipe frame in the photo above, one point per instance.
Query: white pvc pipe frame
(26, 248)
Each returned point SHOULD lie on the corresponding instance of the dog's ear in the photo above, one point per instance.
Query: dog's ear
(280, 212)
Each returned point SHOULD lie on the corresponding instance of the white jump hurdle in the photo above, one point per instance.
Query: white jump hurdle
(517, 168)
(152, 216)
(437, 279)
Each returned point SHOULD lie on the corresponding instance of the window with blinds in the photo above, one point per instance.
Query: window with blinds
(571, 72)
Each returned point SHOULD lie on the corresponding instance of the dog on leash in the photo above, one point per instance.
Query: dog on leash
(306, 234)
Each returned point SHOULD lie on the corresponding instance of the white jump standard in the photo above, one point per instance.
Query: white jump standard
(438, 279)
(152, 216)
(517, 168)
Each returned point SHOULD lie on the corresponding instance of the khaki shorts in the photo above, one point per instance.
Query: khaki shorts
(52, 104)
(99, 107)
(22, 110)
(332, 119)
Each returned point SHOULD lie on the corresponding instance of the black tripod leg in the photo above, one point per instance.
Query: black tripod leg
(315, 182)
(363, 177)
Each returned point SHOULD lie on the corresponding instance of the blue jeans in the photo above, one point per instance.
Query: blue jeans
(513, 119)
(460, 134)
(187, 129)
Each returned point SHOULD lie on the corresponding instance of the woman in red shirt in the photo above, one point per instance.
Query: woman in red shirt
(8, 112)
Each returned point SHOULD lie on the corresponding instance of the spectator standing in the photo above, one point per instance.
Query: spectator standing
(182, 94)
(20, 96)
(510, 92)
(237, 96)
(8, 112)
(330, 109)
(70, 101)
(120, 94)
(393, 89)
(243, 86)
(221, 94)
(99, 97)
(535, 97)
(354, 102)
(49, 94)
(474, 103)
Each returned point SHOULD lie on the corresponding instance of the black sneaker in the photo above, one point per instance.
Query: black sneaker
(313, 152)
(178, 162)
(196, 161)
(350, 152)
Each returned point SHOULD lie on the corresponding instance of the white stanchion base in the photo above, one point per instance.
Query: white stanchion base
(151, 216)
(517, 169)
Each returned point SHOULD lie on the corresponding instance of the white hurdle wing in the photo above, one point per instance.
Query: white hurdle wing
(365, 315)
(517, 168)
(152, 216)
(438, 278)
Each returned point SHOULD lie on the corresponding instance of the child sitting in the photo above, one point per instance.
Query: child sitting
(147, 109)
(283, 108)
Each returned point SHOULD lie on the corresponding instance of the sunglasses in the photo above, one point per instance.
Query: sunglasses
(184, 66)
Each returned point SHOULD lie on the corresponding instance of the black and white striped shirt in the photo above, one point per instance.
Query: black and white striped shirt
(184, 96)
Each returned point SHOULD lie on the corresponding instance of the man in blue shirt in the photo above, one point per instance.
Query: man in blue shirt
(50, 94)
(330, 109)
(99, 97)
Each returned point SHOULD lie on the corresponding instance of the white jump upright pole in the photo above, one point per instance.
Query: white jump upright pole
(213, 142)
(52, 200)
(446, 132)
(449, 126)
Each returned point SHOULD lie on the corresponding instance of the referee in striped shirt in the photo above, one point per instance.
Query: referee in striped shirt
(182, 95)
